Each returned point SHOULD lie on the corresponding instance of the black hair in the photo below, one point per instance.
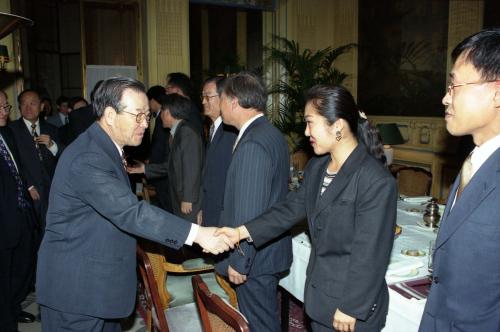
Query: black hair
(181, 81)
(74, 100)
(62, 99)
(248, 88)
(155, 92)
(26, 91)
(178, 106)
(219, 82)
(482, 49)
(110, 92)
(335, 102)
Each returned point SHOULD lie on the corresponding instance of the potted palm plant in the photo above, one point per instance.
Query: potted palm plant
(302, 69)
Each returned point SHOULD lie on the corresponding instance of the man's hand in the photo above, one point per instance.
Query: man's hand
(34, 194)
(186, 207)
(235, 277)
(199, 217)
(233, 234)
(343, 322)
(45, 140)
(137, 168)
(214, 244)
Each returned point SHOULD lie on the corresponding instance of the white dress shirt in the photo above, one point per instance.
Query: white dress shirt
(53, 149)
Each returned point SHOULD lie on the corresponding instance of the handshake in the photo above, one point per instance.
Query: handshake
(218, 240)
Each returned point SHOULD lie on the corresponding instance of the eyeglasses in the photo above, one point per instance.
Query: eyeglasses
(6, 108)
(452, 86)
(207, 97)
(139, 117)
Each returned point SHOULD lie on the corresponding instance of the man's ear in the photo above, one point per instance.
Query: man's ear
(109, 115)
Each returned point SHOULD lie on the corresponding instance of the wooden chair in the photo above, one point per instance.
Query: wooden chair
(149, 304)
(147, 192)
(414, 181)
(179, 277)
(216, 314)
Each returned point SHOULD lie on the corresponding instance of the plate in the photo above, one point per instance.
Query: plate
(410, 273)
(421, 223)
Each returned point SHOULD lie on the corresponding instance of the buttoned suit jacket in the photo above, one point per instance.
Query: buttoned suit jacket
(183, 167)
(351, 228)
(256, 179)
(86, 262)
(218, 158)
(465, 294)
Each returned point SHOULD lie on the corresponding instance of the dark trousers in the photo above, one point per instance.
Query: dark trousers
(16, 273)
(54, 320)
(257, 300)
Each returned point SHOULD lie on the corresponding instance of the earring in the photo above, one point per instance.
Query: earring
(338, 135)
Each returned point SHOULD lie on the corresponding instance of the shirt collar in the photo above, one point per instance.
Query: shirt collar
(247, 124)
(217, 123)
(28, 125)
(481, 153)
(174, 127)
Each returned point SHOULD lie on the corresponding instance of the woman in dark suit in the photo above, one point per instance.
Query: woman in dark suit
(349, 199)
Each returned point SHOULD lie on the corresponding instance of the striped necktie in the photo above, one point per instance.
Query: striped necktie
(35, 135)
(22, 202)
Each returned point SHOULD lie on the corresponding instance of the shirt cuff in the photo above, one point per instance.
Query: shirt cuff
(192, 234)
(53, 149)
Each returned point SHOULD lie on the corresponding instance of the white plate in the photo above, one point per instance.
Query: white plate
(418, 199)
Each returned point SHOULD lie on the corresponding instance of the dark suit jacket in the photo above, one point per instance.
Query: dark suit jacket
(37, 173)
(465, 294)
(9, 219)
(86, 262)
(351, 227)
(79, 120)
(256, 179)
(184, 167)
(219, 154)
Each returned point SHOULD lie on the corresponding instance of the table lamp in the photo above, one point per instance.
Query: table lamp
(4, 57)
(390, 134)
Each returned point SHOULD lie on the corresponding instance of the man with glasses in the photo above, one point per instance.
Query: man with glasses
(220, 141)
(17, 230)
(465, 293)
(86, 274)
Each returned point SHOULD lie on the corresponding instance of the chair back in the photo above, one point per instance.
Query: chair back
(216, 314)
(148, 299)
(414, 181)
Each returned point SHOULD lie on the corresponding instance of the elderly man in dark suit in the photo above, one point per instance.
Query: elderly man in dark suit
(39, 148)
(17, 249)
(185, 158)
(220, 140)
(465, 293)
(256, 179)
(86, 275)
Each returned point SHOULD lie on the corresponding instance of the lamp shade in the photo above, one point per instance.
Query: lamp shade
(390, 134)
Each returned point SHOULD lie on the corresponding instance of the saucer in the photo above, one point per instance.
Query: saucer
(413, 252)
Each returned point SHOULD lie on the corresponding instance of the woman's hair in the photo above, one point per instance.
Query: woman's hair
(335, 102)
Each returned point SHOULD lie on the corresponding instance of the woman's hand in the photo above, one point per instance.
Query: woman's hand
(343, 322)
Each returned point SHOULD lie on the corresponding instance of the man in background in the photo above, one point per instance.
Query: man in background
(256, 179)
(220, 141)
(465, 293)
(17, 230)
(39, 149)
(60, 118)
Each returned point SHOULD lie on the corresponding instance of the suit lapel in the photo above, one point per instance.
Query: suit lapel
(343, 177)
(480, 186)
(217, 136)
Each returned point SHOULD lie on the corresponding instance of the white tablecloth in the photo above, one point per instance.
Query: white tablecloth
(404, 314)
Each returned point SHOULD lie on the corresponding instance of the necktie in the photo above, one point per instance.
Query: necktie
(124, 160)
(22, 202)
(66, 120)
(152, 124)
(211, 133)
(465, 175)
(35, 135)
(170, 140)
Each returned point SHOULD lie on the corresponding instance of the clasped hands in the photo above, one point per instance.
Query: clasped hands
(218, 240)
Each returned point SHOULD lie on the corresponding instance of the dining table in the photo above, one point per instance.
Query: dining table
(407, 274)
